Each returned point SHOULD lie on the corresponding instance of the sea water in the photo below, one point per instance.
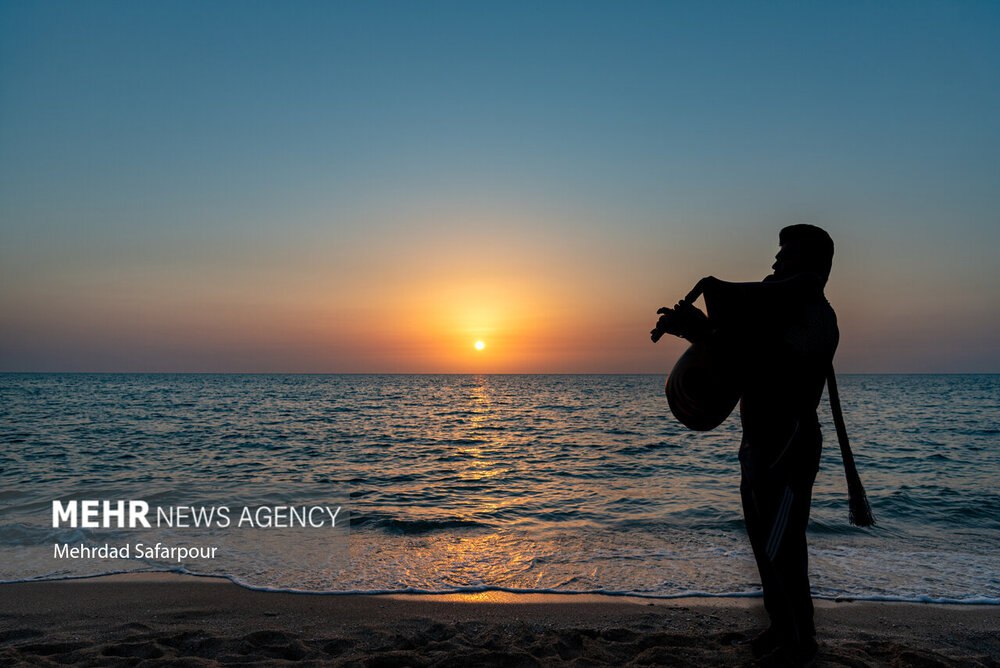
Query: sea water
(577, 483)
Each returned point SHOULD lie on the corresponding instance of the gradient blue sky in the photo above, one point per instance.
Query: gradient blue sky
(248, 186)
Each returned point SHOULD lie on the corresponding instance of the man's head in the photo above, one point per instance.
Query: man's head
(804, 248)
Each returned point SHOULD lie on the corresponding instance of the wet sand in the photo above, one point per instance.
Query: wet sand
(169, 620)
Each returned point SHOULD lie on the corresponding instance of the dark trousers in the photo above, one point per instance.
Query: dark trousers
(776, 489)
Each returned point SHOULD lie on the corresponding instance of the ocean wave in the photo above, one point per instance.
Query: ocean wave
(416, 591)
(526, 481)
(941, 505)
(396, 525)
(21, 534)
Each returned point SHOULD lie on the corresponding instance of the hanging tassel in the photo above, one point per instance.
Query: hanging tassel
(861, 512)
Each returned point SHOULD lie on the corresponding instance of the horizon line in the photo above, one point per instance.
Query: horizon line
(455, 373)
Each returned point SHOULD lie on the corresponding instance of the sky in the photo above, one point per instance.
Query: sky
(375, 187)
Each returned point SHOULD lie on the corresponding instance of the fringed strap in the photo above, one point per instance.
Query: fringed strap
(861, 512)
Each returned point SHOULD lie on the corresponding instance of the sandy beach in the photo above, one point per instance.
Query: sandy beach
(161, 620)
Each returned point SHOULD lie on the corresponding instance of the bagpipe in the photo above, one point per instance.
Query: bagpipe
(706, 382)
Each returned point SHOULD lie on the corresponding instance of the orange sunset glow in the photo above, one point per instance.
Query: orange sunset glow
(382, 201)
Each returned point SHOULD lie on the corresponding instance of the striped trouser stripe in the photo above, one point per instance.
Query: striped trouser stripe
(780, 522)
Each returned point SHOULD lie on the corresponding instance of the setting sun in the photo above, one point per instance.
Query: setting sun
(479, 345)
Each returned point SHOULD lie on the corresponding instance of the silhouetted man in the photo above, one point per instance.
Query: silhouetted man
(779, 336)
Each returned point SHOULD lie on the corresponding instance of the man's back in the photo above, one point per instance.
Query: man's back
(785, 368)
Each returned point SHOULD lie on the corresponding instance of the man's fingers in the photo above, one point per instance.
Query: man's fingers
(663, 311)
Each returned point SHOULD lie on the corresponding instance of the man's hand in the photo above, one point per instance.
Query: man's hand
(665, 325)
(683, 320)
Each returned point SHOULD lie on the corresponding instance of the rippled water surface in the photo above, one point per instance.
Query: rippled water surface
(568, 483)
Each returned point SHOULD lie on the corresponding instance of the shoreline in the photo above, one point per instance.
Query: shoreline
(169, 618)
(515, 594)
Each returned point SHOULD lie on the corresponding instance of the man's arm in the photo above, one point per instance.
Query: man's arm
(746, 305)
(733, 304)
